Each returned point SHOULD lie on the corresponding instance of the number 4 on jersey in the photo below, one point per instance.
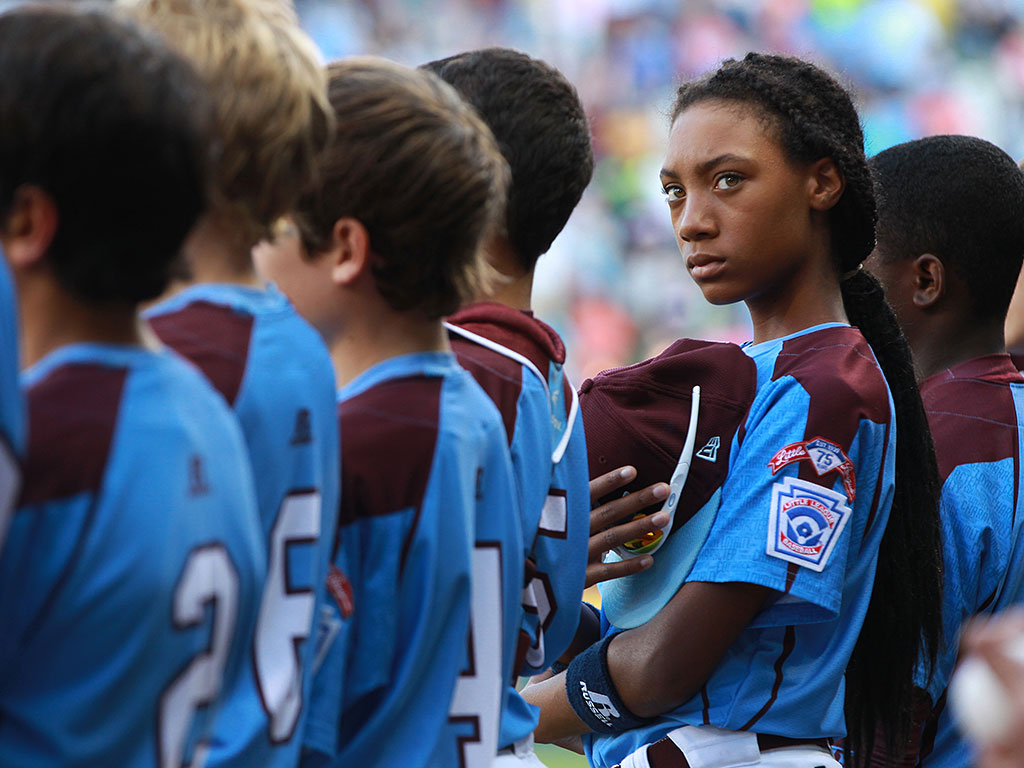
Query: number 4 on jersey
(477, 698)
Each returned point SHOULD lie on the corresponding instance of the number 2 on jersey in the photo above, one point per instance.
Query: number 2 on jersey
(286, 615)
(479, 690)
(208, 578)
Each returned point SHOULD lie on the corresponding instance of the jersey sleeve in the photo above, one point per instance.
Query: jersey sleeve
(785, 509)
(41, 543)
(560, 548)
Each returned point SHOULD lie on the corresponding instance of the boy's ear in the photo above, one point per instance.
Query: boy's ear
(30, 226)
(350, 251)
(929, 275)
(826, 184)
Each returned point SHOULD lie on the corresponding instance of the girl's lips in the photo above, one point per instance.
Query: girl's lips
(703, 268)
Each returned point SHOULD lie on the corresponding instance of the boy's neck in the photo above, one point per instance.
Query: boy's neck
(369, 340)
(513, 286)
(947, 342)
(51, 318)
(215, 253)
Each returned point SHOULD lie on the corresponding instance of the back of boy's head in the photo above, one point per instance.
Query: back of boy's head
(269, 91)
(420, 171)
(542, 131)
(113, 127)
(960, 199)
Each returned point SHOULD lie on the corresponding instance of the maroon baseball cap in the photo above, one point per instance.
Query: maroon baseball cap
(639, 415)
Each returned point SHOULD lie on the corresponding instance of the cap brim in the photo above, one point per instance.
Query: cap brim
(634, 600)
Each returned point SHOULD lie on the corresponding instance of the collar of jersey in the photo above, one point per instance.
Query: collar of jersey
(995, 366)
(113, 355)
(244, 298)
(752, 348)
(430, 364)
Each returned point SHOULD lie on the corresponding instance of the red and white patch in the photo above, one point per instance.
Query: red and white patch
(824, 455)
(341, 590)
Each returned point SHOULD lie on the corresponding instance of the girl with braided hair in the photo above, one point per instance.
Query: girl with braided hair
(815, 591)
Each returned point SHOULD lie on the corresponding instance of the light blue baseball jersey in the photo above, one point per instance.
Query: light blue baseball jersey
(803, 509)
(130, 582)
(274, 370)
(976, 414)
(12, 405)
(518, 360)
(428, 547)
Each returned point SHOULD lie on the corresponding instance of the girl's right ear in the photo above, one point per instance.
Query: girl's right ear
(349, 251)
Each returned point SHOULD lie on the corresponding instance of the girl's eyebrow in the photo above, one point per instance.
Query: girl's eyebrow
(707, 165)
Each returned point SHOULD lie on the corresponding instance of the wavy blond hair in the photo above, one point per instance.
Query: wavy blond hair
(269, 90)
(421, 171)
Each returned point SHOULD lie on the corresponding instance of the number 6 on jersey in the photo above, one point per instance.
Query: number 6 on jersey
(286, 616)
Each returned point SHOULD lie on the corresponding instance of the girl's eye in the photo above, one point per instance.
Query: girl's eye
(728, 181)
(673, 193)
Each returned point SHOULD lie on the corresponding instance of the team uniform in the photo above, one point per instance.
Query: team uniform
(428, 546)
(130, 581)
(975, 412)
(12, 405)
(802, 510)
(518, 362)
(275, 372)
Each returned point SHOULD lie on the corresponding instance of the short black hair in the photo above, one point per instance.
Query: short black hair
(114, 127)
(961, 199)
(542, 130)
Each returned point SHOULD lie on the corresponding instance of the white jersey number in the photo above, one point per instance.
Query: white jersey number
(286, 617)
(10, 482)
(478, 692)
(539, 597)
(208, 577)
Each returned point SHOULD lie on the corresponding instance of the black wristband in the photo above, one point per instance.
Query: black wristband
(592, 694)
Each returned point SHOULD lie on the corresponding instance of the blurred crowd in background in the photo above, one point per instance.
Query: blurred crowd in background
(614, 284)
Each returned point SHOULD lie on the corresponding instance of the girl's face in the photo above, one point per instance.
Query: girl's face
(747, 220)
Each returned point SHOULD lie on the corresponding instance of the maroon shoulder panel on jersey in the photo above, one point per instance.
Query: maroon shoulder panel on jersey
(837, 369)
(212, 337)
(389, 434)
(499, 376)
(971, 412)
(72, 417)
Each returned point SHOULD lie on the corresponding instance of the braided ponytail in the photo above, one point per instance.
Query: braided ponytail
(815, 118)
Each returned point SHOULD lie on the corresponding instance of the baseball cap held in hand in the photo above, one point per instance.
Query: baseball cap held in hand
(640, 415)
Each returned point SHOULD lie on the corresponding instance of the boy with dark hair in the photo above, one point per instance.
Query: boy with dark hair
(949, 249)
(271, 119)
(428, 554)
(541, 128)
(130, 579)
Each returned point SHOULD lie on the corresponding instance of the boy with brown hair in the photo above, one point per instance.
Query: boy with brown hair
(271, 121)
(385, 246)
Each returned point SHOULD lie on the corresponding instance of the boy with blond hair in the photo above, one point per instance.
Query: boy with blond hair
(386, 245)
(271, 122)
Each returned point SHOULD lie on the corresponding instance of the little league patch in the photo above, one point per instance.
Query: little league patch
(805, 522)
(824, 455)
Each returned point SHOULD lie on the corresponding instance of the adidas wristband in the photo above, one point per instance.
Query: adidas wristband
(592, 694)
